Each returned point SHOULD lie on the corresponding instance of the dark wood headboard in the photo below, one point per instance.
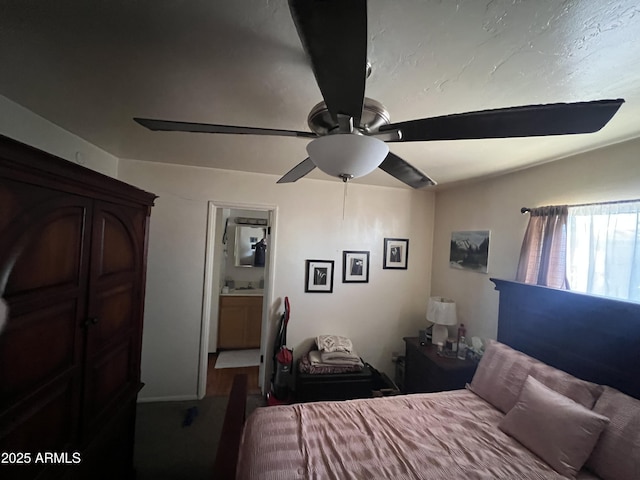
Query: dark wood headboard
(593, 338)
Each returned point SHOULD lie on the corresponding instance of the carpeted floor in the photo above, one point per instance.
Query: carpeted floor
(167, 450)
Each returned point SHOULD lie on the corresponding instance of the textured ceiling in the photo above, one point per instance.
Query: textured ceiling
(90, 67)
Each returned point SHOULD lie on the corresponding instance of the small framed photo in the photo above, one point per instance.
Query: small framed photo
(355, 267)
(319, 276)
(396, 253)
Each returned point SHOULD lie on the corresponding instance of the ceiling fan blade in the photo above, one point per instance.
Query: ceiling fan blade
(526, 121)
(297, 172)
(405, 172)
(171, 126)
(334, 35)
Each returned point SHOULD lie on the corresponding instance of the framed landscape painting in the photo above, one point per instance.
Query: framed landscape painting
(470, 250)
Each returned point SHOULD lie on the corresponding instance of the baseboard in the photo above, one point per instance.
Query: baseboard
(176, 398)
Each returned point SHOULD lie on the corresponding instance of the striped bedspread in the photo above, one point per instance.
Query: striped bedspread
(448, 435)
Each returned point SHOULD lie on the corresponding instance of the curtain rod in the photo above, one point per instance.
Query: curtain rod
(524, 210)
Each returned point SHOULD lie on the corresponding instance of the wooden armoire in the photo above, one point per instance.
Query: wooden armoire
(73, 247)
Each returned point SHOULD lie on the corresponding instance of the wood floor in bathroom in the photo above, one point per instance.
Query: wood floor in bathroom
(219, 380)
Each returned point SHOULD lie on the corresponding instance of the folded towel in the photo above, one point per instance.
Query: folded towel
(314, 357)
(341, 358)
(334, 343)
(318, 358)
(305, 366)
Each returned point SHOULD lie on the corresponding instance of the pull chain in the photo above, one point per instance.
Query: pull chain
(344, 200)
(345, 178)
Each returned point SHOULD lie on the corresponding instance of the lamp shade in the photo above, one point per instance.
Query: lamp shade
(347, 155)
(442, 312)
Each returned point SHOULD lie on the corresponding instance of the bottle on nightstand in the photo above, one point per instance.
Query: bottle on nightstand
(462, 348)
(462, 332)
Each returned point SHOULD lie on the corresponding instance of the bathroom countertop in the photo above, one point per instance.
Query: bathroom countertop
(244, 293)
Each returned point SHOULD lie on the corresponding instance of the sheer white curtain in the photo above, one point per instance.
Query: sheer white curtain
(603, 254)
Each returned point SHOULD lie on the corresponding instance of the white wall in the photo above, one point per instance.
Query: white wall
(375, 315)
(611, 173)
(20, 124)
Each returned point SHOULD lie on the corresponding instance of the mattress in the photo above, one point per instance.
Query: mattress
(435, 436)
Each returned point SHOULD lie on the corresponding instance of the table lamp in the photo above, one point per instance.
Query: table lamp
(441, 312)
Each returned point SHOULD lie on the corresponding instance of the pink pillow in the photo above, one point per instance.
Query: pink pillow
(617, 453)
(554, 427)
(502, 372)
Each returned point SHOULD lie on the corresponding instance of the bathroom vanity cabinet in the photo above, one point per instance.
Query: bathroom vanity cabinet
(239, 321)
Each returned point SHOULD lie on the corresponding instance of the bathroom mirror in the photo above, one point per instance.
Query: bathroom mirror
(250, 246)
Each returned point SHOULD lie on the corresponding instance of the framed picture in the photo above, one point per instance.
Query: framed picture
(470, 250)
(319, 276)
(396, 253)
(355, 267)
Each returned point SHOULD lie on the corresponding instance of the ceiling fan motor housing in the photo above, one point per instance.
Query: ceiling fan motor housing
(374, 115)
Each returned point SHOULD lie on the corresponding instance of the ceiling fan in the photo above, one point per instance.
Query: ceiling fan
(349, 131)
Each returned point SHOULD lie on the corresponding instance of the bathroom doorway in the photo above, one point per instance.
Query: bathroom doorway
(230, 279)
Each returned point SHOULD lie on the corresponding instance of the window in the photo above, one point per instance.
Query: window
(603, 249)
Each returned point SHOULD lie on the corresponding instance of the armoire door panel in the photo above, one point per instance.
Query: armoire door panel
(36, 347)
(45, 264)
(107, 379)
(48, 426)
(113, 309)
(44, 267)
(51, 415)
(50, 253)
(115, 280)
(20, 200)
(116, 254)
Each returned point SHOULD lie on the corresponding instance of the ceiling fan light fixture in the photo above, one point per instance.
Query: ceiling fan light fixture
(347, 155)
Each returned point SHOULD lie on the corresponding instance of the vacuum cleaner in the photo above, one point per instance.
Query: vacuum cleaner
(281, 377)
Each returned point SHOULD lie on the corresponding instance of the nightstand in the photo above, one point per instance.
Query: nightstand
(426, 371)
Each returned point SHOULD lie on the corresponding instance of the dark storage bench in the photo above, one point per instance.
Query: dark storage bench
(344, 386)
(334, 386)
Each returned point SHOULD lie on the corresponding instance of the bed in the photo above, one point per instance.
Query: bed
(571, 372)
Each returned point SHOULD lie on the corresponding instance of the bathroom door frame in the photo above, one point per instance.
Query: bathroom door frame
(212, 209)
